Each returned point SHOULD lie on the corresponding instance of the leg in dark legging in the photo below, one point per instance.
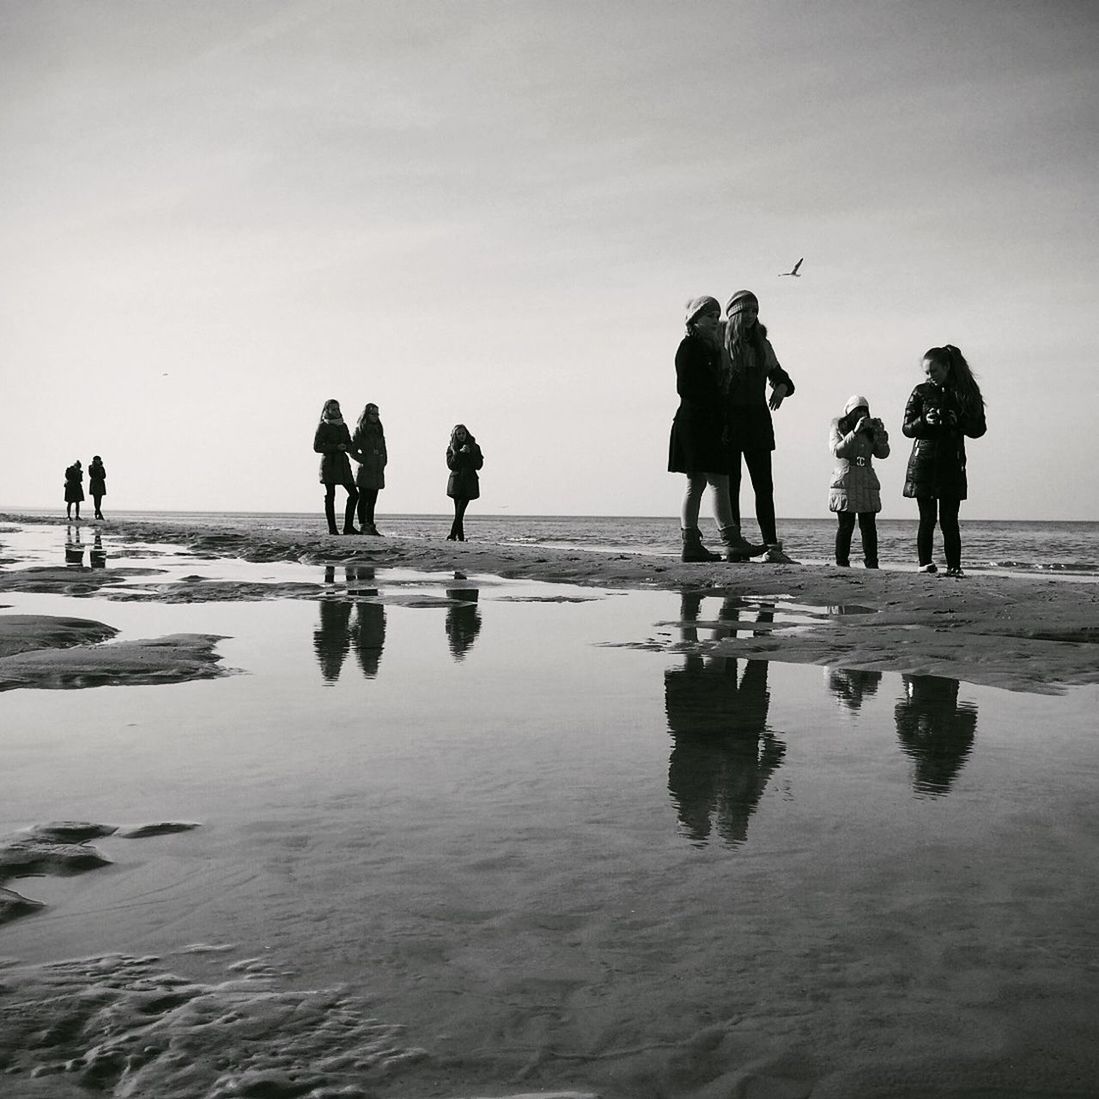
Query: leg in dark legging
(846, 527)
(330, 508)
(349, 509)
(734, 488)
(868, 528)
(952, 535)
(459, 514)
(759, 468)
(925, 536)
(97, 500)
(368, 498)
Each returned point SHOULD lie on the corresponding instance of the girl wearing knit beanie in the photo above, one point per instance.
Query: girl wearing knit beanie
(751, 365)
(855, 491)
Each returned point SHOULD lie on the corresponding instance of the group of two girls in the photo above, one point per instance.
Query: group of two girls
(722, 369)
(337, 445)
(74, 486)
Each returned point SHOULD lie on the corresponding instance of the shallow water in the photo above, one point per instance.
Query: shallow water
(561, 853)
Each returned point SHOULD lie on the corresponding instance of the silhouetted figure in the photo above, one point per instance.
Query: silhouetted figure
(97, 555)
(852, 685)
(332, 640)
(463, 621)
(724, 754)
(463, 459)
(332, 441)
(368, 636)
(935, 730)
(97, 484)
(368, 449)
(74, 547)
(74, 489)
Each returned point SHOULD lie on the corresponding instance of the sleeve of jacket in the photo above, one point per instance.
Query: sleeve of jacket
(973, 424)
(881, 443)
(775, 374)
(355, 450)
(840, 443)
(690, 372)
(451, 458)
(319, 444)
(477, 459)
(913, 426)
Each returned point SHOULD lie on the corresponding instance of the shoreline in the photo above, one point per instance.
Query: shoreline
(1020, 633)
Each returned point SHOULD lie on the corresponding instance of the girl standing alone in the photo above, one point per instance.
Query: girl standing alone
(368, 449)
(938, 416)
(332, 440)
(855, 491)
(463, 459)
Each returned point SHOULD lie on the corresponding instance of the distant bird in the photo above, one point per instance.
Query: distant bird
(794, 272)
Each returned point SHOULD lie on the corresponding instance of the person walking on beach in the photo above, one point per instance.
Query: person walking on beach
(751, 364)
(939, 414)
(463, 459)
(332, 441)
(855, 491)
(74, 489)
(368, 449)
(696, 447)
(97, 484)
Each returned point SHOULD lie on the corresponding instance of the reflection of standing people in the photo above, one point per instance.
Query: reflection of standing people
(696, 445)
(97, 484)
(97, 555)
(74, 489)
(939, 414)
(855, 491)
(724, 754)
(74, 547)
(332, 640)
(368, 449)
(463, 459)
(852, 685)
(463, 621)
(332, 440)
(369, 636)
(935, 730)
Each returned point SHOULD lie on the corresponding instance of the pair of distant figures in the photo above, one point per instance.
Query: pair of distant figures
(74, 487)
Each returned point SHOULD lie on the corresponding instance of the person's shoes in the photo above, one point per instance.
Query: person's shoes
(737, 547)
(775, 555)
(871, 562)
(929, 567)
(351, 530)
(693, 549)
(452, 537)
(955, 571)
(843, 564)
(369, 528)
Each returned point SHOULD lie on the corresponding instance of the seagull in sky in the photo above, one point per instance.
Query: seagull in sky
(794, 272)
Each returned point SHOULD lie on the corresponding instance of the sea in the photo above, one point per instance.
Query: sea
(1068, 549)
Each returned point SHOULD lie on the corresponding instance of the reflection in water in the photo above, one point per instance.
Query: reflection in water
(935, 730)
(852, 685)
(97, 555)
(335, 636)
(724, 755)
(463, 619)
(74, 547)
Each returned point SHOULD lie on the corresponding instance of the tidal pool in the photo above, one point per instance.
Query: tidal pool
(543, 840)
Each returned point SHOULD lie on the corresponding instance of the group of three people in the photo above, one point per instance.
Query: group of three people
(723, 368)
(337, 445)
(74, 487)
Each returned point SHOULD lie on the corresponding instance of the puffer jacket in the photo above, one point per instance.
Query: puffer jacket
(936, 466)
(855, 486)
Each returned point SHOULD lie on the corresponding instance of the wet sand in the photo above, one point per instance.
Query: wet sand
(1020, 633)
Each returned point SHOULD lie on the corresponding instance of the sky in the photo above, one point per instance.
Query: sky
(216, 214)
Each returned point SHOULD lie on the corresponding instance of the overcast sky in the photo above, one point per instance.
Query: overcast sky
(215, 215)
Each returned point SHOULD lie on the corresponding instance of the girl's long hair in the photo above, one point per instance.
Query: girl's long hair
(363, 423)
(959, 379)
(469, 435)
(744, 347)
(325, 418)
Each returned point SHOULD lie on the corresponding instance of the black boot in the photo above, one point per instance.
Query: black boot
(349, 516)
(330, 515)
(453, 535)
(693, 549)
(737, 547)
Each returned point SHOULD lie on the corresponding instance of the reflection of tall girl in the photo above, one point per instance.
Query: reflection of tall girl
(935, 730)
(332, 441)
(463, 621)
(463, 459)
(332, 640)
(724, 755)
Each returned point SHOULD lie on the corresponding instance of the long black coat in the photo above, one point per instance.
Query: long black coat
(97, 479)
(335, 465)
(74, 484)
(695, 445)
(749, 418)
(463, 482)
(936, 466)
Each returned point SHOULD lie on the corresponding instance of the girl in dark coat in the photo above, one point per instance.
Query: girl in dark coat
(368, 449)
(97, 484)
(74, 489)
(463, 459)
(696, 445)
(333, 441)
(751, 365)
(938, 416)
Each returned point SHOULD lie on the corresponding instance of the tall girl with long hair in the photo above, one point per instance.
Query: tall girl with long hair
(332, 441)
(463, 459)
(368, 449)
(941, 412)
(751, 365)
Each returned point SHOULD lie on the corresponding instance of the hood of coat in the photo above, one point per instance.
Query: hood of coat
(856, 401)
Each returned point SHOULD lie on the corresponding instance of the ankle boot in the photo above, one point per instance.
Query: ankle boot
(871, 562)
(349, 518)
(330, 515)
(737, 547)
(693, 549)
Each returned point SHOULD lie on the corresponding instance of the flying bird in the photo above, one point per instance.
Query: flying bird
(794, 271)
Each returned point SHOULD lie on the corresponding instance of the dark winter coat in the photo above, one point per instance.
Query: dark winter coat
(855, 486)
(749, 418)
(335, 465)
(696, 445)
(936, 466)
(97, 479)
(74, 484)
(368, 449)
(463, 483)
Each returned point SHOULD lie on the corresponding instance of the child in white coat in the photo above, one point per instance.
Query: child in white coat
(856, 439)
